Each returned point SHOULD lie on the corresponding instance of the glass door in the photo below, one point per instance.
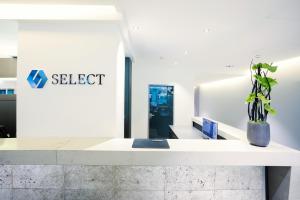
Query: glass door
(160, 110)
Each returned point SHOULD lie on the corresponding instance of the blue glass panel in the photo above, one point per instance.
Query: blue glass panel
(160, 110)
(210, 128)
(10, 91)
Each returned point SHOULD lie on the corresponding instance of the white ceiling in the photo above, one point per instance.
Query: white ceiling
(160, 31)
(239, 30)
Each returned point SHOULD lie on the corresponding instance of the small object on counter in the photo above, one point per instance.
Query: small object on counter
(151, 143)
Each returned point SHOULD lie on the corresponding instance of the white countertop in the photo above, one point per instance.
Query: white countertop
(99, 151)
(186, 132)
(226, 131)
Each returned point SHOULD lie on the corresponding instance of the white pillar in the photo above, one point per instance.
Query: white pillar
(70, 110)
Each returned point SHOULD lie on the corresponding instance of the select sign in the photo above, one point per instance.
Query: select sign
(38, 79)
(78, 79)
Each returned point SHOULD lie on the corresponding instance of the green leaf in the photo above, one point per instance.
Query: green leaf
(271, 81)
(250, 98)
(269, 67)
(270, 109)
(256, 66)
(264, 81)
(265, 66)
(263, 99)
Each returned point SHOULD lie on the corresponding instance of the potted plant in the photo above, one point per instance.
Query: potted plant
(259, 104)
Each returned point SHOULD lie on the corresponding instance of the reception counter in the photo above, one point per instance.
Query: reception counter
(97, 168)
(106, 168)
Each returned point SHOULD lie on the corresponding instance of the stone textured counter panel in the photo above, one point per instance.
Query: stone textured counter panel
(84, 182)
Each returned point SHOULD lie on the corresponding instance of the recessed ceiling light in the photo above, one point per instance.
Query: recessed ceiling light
(206, 30)
(186, 52)
(136, 28)
(175, 63)
(257, 56)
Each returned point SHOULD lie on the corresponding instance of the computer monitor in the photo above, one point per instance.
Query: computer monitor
(210, 128)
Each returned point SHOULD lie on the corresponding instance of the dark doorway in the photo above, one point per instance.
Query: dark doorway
(8, 115)
(127, 106)
(160, 110)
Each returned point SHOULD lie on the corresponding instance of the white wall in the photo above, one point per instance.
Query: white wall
(8, 83)
(144, 74)
(224, 101)
(8, 68)
(8, 41)
(68, 110)
(120, 91)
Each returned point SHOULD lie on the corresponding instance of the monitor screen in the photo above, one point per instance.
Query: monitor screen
(210, 128)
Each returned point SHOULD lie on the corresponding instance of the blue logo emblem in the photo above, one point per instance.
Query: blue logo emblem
(37, 79)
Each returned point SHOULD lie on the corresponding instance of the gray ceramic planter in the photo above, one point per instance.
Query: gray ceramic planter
(258, 134)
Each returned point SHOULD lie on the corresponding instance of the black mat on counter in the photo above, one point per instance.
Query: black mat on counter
(151, 143)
